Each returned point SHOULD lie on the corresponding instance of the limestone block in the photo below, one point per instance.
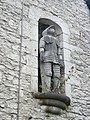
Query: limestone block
(25, 9)
(68, 90)
(35, 13)
(33, 47)
(29, 29)
(13, 56)
(0, 76)
(67, 54)
(66, 38)
(34, 84)
(33, 2)
(10, 2)
(11, 105)
(69, 46)
(73, 81)
(68, 68)
(12, 24)
(15, 81)
(30, 70)
(32, 61)
(18, 3)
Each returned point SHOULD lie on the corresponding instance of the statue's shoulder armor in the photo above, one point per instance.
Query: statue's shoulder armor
(47, 39)
(42, 39)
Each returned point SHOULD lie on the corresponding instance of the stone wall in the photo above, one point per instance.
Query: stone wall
(76, 51)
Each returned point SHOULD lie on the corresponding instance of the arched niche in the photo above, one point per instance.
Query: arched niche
(43, 23)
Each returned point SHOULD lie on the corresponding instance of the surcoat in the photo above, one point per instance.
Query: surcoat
(51, 49)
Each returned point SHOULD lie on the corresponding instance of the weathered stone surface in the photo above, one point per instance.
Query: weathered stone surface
(77, 52)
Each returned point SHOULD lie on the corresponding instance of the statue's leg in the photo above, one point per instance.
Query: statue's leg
(46, 82)
(56, 80)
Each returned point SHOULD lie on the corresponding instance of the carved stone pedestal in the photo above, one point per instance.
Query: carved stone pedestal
(54, 102)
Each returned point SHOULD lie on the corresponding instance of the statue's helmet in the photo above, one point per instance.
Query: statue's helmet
(47, 30)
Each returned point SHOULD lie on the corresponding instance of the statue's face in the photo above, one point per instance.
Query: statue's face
(51, 31)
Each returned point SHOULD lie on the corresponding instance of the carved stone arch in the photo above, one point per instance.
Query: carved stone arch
(51, 22)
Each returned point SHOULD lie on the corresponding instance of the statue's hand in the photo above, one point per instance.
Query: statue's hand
(42, 56)
(62, 64)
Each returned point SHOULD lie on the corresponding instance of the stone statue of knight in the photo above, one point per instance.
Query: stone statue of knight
(50, 60)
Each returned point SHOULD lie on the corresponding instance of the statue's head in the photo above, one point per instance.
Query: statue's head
(49, 31)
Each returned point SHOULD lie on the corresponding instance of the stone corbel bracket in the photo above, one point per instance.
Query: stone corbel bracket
(54, 102)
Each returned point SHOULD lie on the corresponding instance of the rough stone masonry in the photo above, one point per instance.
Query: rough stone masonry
(77, 51)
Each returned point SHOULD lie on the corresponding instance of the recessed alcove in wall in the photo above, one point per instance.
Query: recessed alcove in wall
(54, 101)
(42, 25)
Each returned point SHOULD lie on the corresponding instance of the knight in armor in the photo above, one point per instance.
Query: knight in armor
(50, 59)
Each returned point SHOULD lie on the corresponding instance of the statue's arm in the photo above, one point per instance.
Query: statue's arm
(60, 56)
(42, 47)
